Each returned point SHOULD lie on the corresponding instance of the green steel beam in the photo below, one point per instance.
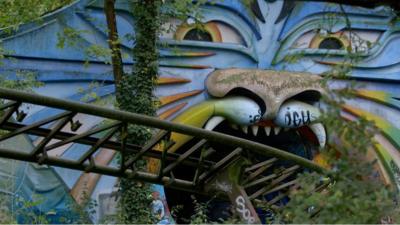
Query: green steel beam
(139, 119)
(65, 163)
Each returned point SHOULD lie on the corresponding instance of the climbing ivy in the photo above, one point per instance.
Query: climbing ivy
(136, 94)
(135, 91)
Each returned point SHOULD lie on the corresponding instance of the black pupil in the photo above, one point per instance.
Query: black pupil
(331, 43)
(198, 35)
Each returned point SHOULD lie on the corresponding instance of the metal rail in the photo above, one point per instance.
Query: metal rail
(139, 119)
(63, 129)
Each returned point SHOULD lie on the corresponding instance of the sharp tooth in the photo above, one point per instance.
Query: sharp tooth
(213, 122)
(277, 130)
(320, 133)
(267, 130)
(255, 130)
(245, 129)
(234, 126)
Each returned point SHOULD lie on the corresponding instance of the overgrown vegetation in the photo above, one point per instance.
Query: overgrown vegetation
(355, 195)
(14, 13)
(134, 202)
(356, 192)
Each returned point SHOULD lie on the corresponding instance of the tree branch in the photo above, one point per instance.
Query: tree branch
(113, 41)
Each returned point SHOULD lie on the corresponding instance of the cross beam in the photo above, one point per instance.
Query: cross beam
(63, 129)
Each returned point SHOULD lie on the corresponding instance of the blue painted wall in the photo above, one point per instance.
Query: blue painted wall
(69, 72)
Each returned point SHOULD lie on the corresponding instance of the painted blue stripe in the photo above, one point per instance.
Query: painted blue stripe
(63, 76)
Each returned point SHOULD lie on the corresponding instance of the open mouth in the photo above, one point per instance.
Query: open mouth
(302, 141)
(295, 129)
(280, 113)
(302, 135)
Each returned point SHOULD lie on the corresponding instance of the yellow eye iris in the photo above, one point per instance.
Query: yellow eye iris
(336, 41)
(207, 32)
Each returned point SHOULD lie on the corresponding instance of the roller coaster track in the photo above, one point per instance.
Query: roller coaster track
(210, 175)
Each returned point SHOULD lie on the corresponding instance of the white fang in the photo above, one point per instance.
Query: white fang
(213, 122)
(254, 129)
(267, 130)
(320, 133)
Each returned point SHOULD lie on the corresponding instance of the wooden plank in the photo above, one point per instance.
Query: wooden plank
(260, 181)
(282, 186)
(220, 164)
(154, 141)
(258, 172)
(185, 155)
(260, 164)
(285, 174)
(277, 198)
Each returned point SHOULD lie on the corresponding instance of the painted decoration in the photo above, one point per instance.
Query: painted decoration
(252, 72)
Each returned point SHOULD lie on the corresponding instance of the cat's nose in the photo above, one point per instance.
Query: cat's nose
(271, 87)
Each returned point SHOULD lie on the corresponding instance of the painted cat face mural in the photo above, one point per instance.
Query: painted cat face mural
(250, 71)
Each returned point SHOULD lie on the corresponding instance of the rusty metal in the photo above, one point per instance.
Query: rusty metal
(139, 119)
(184, 156)
(154, 141)
(60, 124)
(258, 172)
(261, 164)
(227, 182)
(215, 168)
(288, 172)
(60, 130)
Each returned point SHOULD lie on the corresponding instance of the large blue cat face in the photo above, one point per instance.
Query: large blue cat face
(287, 40)
(321, 33)
(269, 53)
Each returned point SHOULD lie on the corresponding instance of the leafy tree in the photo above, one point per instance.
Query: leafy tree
(14, 13)
(134, 202)
(355, 193)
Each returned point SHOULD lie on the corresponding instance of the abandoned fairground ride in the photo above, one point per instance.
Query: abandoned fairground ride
(239, 110)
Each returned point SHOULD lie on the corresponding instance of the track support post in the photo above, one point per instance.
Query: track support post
(227, 182)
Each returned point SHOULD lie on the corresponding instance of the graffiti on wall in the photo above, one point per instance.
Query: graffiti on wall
(241, 75)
